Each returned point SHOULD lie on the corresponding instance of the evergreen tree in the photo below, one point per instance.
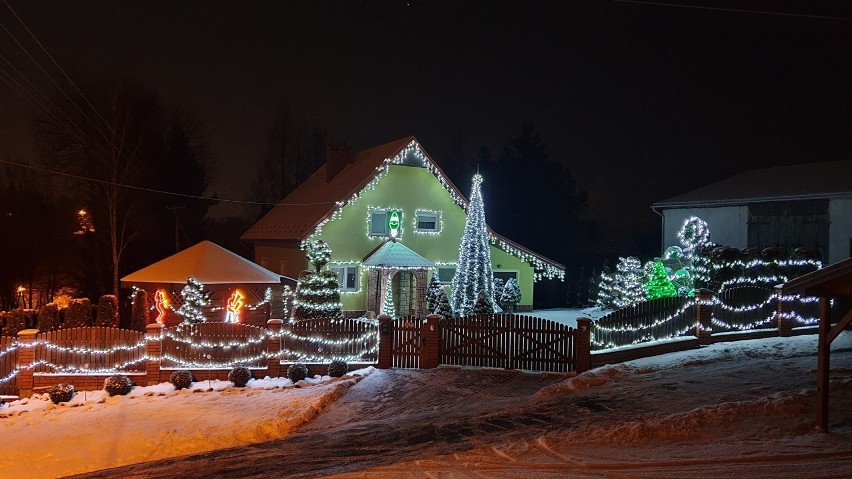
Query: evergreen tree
(659, 285)
(606, 295)
(483, 304)
(318, 253)
(443, 309)
(473, 273)
(317, 292)
(498, 290)
(139, 312)
(629, 287)
(195, 297)
(511, 294)
(433, 292)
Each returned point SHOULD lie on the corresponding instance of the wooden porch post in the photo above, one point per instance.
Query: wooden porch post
(823, 362)
(430, 347)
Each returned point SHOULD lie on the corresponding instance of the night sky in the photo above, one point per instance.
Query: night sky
(641, 101)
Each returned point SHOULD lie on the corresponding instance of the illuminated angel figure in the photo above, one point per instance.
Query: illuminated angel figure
(161, 303)
(235, 306)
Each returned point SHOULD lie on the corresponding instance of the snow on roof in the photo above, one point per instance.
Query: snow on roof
(805, 181)
(393, 254)
(207, 262)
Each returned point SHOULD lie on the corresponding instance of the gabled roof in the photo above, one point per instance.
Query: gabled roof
(795, 182)
(209, 263)
(316, 200)
(393, 254)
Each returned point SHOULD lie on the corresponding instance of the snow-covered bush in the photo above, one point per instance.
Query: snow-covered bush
(483, 304)
(118, 385)
(433, 292)
(443, 309)
(297, 372)
(16, 320)
(107, 316)
(240, 376)
(48, 317)
(139, 311)
(511, 294)
(337, 368)
(499, 284)
(62, 392)
(78, 314)
(181, 379)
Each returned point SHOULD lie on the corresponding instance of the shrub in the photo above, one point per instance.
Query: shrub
(337, 368)
(48, 317)
(16, 320)
(107, 315)
(78, 314)
(239, 376)
(139, 313)
(297, 372)
(181, 379)
(62, 392)
(118, 384)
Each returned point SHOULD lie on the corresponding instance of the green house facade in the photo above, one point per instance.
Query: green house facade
(392, 219)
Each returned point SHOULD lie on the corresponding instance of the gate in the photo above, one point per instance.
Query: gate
(406, 342)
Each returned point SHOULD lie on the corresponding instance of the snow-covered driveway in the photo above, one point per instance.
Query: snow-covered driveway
(730, 410)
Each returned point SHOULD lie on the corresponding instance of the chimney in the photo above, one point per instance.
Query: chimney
(336, 159)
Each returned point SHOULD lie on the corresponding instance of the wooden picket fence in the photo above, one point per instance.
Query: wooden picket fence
(212, 344)
(8, 364)
(327, 339)
(663, 317)
(90, 348)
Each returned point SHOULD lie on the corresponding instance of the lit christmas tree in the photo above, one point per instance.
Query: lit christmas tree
(605, 297)
(194, 299)
(443, 309)
(388, 307)
(317, 292)
(433, 292)
(659, 286)
(511, 294)
(629, 286)
(473, 272)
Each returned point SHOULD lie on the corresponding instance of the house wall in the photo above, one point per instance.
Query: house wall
(840, 229)
(407, 189)
(286, 259)
(728, 225)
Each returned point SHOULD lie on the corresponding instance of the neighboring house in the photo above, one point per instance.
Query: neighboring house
(806, 205)
(353, 202)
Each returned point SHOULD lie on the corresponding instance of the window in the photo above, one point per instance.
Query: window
(347, 277)
(378, 223)
(446, 273)
(428, 222)
(505, 275)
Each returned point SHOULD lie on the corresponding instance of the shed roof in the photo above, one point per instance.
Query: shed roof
(833, 280)
(393, 254)
(209, 263)
(794, 182)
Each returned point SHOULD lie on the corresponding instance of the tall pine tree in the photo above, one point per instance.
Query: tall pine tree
(473, 271)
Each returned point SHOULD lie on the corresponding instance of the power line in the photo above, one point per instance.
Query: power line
(733, 10)
(153, 190)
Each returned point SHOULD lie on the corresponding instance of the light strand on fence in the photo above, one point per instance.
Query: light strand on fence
(83, 350)
(330, 342)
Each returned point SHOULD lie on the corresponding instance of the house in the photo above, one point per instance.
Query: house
(356, 203)
(808, 205)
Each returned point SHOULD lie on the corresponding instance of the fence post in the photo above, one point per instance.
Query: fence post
(784, 323)
(385, 341)
(273, 347)
(26, 362)
(704, 316)
(430, 342)
(154, 346)
(582, 345)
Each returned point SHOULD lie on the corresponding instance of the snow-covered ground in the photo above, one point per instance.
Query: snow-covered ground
(95, 431)
(567, 316)
(744, 409)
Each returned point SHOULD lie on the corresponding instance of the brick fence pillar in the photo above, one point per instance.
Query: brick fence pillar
(385, 341)
(704, 316)
(430, 342)
(273, 347)
(583, 345)
(782, 320)
(26, 360)
(154, 344)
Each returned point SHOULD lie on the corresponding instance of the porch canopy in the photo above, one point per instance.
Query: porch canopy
(207, 262)
(387, 260)
(833, 282)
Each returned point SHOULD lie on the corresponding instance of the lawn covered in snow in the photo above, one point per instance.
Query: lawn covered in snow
(95, 431)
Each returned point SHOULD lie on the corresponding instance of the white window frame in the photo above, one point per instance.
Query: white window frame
(384, 222)
(342, 271)
(446, 266)
(431, 214)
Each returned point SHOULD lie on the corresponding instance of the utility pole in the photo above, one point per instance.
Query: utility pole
(177, 225)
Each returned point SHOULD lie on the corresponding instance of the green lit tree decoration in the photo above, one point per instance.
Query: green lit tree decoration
(659, 286)
(473, 273)
(195, 297)
(511, 295)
